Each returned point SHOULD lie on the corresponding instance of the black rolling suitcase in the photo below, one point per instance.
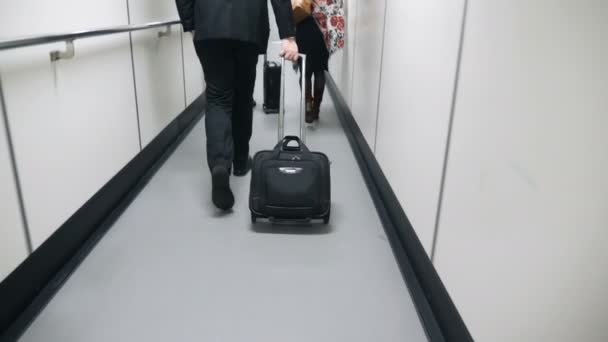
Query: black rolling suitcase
(290, 183)
(272, 86)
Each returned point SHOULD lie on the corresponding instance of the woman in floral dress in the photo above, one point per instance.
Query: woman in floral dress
(319, 36)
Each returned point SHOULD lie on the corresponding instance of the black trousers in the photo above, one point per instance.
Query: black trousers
(230, 72)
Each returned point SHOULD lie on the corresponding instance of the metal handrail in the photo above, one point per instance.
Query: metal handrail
(70, 37)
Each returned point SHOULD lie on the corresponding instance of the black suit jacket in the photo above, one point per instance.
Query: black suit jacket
(242, 20)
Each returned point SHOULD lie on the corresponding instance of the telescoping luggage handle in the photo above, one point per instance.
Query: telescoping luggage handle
(302, 101)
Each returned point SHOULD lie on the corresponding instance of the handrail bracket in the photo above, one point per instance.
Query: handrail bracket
(166, 32)
(67, 54)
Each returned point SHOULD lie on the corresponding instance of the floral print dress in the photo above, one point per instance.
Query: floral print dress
(329, 15)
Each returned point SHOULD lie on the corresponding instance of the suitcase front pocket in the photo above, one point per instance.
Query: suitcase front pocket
(292, 185)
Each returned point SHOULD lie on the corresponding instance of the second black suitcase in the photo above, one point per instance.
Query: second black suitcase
(272, 86)
(290, 183)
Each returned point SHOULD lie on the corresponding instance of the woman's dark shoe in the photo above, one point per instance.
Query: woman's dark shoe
(316, 109)
(221, 194)
(242, 168)
(315, 115)
(310, 117)
(319, 89)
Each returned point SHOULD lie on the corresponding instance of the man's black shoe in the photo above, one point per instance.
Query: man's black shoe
(242, 168)
(221, 194)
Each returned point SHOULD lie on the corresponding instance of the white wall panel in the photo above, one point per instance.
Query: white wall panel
(193, 72)
(13, 248)
(74, 122)
(158, 67)
(522, 241)
(367, 65)
(142, 11)
(419, 67)
(29, 17)
(341, 64)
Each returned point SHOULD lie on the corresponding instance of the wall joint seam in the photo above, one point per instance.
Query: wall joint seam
(15, 171)
(181, 35)
(448, 144)
(134, 78)
(386, 2)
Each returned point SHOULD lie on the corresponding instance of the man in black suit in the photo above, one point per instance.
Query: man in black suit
(228, 36)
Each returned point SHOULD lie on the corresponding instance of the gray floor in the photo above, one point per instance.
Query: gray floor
(174, 269)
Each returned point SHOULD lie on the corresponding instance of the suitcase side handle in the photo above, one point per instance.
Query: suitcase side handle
(302, 101)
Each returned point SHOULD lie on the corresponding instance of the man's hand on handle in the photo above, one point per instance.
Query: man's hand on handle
(289, 49)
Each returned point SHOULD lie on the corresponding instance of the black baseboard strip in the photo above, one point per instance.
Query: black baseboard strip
(29, 288)
(436, 309)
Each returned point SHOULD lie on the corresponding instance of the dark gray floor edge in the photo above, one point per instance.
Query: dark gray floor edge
(437, 311)
(27, 290)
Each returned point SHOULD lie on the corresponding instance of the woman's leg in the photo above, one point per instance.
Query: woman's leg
(309, 98)
(318, 96)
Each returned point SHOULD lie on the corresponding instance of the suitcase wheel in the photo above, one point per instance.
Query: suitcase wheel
(326, 218)
(254, 218)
